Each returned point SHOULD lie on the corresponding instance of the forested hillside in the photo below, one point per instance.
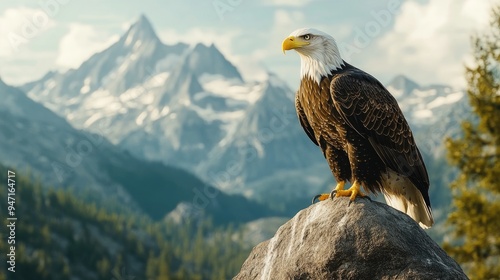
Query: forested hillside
(58, 236)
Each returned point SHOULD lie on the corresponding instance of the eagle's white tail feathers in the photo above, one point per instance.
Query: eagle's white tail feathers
(400, 193)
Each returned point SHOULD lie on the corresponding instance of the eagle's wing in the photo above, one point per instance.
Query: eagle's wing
(303, 121)
(369, 108)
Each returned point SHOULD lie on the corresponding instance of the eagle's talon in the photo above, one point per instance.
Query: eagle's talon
(332, 194)
(320, 197)
(361, 195)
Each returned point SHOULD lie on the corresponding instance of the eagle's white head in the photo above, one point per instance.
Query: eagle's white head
(318, 52)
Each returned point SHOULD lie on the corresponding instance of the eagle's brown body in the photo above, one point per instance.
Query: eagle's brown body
(323, 125)
(359, 127)
(363, 135)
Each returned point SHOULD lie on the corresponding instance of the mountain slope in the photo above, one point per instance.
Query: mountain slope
(268, 155)
(433, 111)
(37, 140)
(59, 236)
(195, 111)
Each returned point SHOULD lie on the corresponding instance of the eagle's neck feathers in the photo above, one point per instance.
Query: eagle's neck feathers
(320, 63)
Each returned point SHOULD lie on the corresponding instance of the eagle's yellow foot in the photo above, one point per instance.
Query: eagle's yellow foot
(353, 192)
(324, 196)
(320, 197)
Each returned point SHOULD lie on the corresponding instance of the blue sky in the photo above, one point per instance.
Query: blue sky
(427, 40)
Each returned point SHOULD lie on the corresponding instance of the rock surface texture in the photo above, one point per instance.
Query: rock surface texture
(363, 240)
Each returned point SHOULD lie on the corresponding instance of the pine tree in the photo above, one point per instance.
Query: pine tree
(476, 191)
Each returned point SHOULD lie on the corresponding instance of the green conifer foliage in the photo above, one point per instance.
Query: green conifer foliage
(475, 242)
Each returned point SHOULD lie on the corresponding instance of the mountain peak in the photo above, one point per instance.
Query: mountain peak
(141, 30)
(201, 47)
(143, 19)
(208, 59)
(402, 82)
(275, 81)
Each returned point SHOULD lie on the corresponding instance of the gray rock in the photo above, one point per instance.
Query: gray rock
(364, 240)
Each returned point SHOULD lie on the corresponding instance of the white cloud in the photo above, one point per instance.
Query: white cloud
(478, 11)
(283, 18)
(429, 42)
(225, 41)
(26, 66)
(291, 3)
(81, 42)
(284, 23)
(19, 25)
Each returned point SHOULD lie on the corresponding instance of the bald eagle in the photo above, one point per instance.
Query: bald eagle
(359, 127)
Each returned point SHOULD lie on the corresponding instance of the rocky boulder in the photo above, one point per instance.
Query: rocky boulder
(363, 240)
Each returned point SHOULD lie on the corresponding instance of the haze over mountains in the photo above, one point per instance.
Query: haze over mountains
(37, 141)
(188, 106)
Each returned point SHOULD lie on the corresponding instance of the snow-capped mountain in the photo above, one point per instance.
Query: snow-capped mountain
(189, 106)
(112, 86)
(434, 112)
(184, 105)
(267, 143)
(37, 141)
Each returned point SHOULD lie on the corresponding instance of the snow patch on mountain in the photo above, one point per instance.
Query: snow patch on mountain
(451, 98)
(189, 106)
(433, 112)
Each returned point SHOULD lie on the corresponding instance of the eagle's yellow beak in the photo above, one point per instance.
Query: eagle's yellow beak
(293, 42)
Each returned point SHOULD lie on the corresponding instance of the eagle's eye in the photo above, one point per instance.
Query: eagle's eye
(307, 37)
